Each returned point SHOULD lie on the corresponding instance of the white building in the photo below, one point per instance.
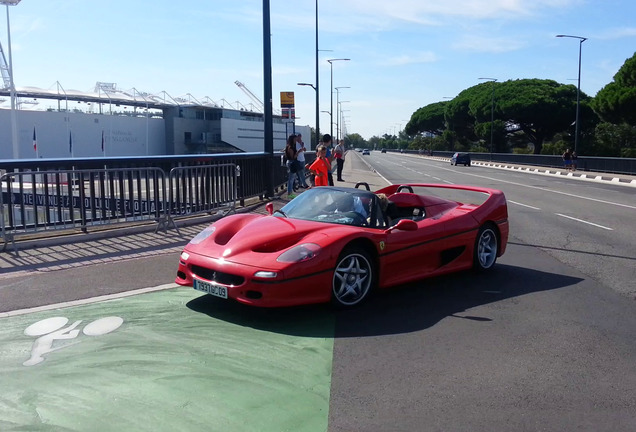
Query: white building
(115, 123)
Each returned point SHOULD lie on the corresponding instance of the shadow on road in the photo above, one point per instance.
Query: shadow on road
(402, 309)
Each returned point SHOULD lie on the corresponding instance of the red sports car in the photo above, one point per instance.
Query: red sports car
(340, 244)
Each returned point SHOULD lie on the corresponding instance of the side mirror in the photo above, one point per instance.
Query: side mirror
(270, 208)
(404, 225)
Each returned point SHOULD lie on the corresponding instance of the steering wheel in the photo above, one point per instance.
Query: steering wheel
(358, 219)
(366, 185)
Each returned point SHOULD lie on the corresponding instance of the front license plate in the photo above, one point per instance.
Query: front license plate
(215, 290)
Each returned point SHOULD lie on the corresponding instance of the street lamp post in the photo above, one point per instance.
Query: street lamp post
(578, 91)
(338, 118)
(317, 112)
(14, 122)
(316, 88)
(268, 126)
(331, 67)
(492, 112)
(338, 106)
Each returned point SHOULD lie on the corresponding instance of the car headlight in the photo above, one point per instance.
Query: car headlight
(300, 253)
(203, 235)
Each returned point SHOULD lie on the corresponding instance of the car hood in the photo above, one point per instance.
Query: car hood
(238, 235)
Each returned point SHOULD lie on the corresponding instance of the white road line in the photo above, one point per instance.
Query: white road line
(541, 189)
(88, 300)
(585, 222)
(524, 205)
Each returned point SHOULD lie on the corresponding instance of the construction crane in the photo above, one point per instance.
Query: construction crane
(258, 103)
(4, 69)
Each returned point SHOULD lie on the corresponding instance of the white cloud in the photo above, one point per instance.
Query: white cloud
(618, 33)
(430, 13)
(485, 44)
(405, 59)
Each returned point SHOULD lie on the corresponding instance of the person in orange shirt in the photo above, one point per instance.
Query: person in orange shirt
(320, 167)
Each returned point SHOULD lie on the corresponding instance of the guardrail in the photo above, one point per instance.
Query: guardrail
(584, 163)
(37, 201)
(200, 189)
(50, 195)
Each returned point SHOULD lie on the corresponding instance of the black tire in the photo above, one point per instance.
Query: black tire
(353, 278)
(486, 248)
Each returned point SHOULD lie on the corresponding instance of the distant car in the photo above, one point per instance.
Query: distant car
(383, 150)
(366, 152)
(341, 244)
(460, 158)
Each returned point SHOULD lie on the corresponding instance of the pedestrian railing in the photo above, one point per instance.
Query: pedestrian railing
(200, 189)
(36, 201)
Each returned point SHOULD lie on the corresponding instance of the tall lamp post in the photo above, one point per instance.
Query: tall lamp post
(338, 106)
(578, 90)
(339, 118)
(14, 125)
(316, 87)
(268, 126)
(492, 112)
(317, 112)
(331, 67)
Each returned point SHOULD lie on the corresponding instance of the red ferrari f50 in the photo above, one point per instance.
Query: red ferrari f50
(340, 244)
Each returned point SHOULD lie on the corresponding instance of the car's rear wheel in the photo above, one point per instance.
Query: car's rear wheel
(486, 248)
(353, 278)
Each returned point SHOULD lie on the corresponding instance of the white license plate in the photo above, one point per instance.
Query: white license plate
(215, 290)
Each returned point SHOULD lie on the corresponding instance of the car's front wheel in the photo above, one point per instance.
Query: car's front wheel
(353, 278)
(486, 248)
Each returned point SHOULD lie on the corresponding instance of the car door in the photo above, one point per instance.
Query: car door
(409, 255)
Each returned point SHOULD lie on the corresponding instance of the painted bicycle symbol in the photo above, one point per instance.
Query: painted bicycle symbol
(50, 330)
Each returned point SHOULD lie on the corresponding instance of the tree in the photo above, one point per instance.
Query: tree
(616, 102)
(540, 108)
(354, 140)
(429, 118)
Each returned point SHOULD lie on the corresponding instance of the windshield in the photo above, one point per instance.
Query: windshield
(333, 206)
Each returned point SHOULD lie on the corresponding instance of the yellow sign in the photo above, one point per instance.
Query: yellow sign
(287, 99)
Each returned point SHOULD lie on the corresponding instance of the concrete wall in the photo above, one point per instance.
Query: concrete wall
(123, 135)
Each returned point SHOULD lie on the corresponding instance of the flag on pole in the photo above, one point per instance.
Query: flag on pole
(35, 141)
(102, 141)
(70, 142)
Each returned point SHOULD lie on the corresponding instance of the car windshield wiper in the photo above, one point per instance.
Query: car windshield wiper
(281, 212)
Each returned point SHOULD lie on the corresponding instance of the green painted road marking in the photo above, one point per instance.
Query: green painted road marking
(179, 361)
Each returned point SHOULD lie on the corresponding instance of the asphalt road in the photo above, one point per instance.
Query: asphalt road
(544, 343)
(588, 226)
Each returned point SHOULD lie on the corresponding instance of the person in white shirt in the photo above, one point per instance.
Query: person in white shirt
(300, 157)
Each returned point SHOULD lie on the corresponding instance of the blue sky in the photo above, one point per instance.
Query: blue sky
(404, 54)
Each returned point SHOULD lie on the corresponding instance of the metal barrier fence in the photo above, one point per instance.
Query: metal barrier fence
(200, 189)
(37, 201)
(49, 195)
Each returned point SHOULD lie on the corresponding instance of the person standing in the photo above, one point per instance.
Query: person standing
(320, 167)
(339, 152)
(300, 157)
(574, 160)
(326, 142)
(290, 156)
(567, 159)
